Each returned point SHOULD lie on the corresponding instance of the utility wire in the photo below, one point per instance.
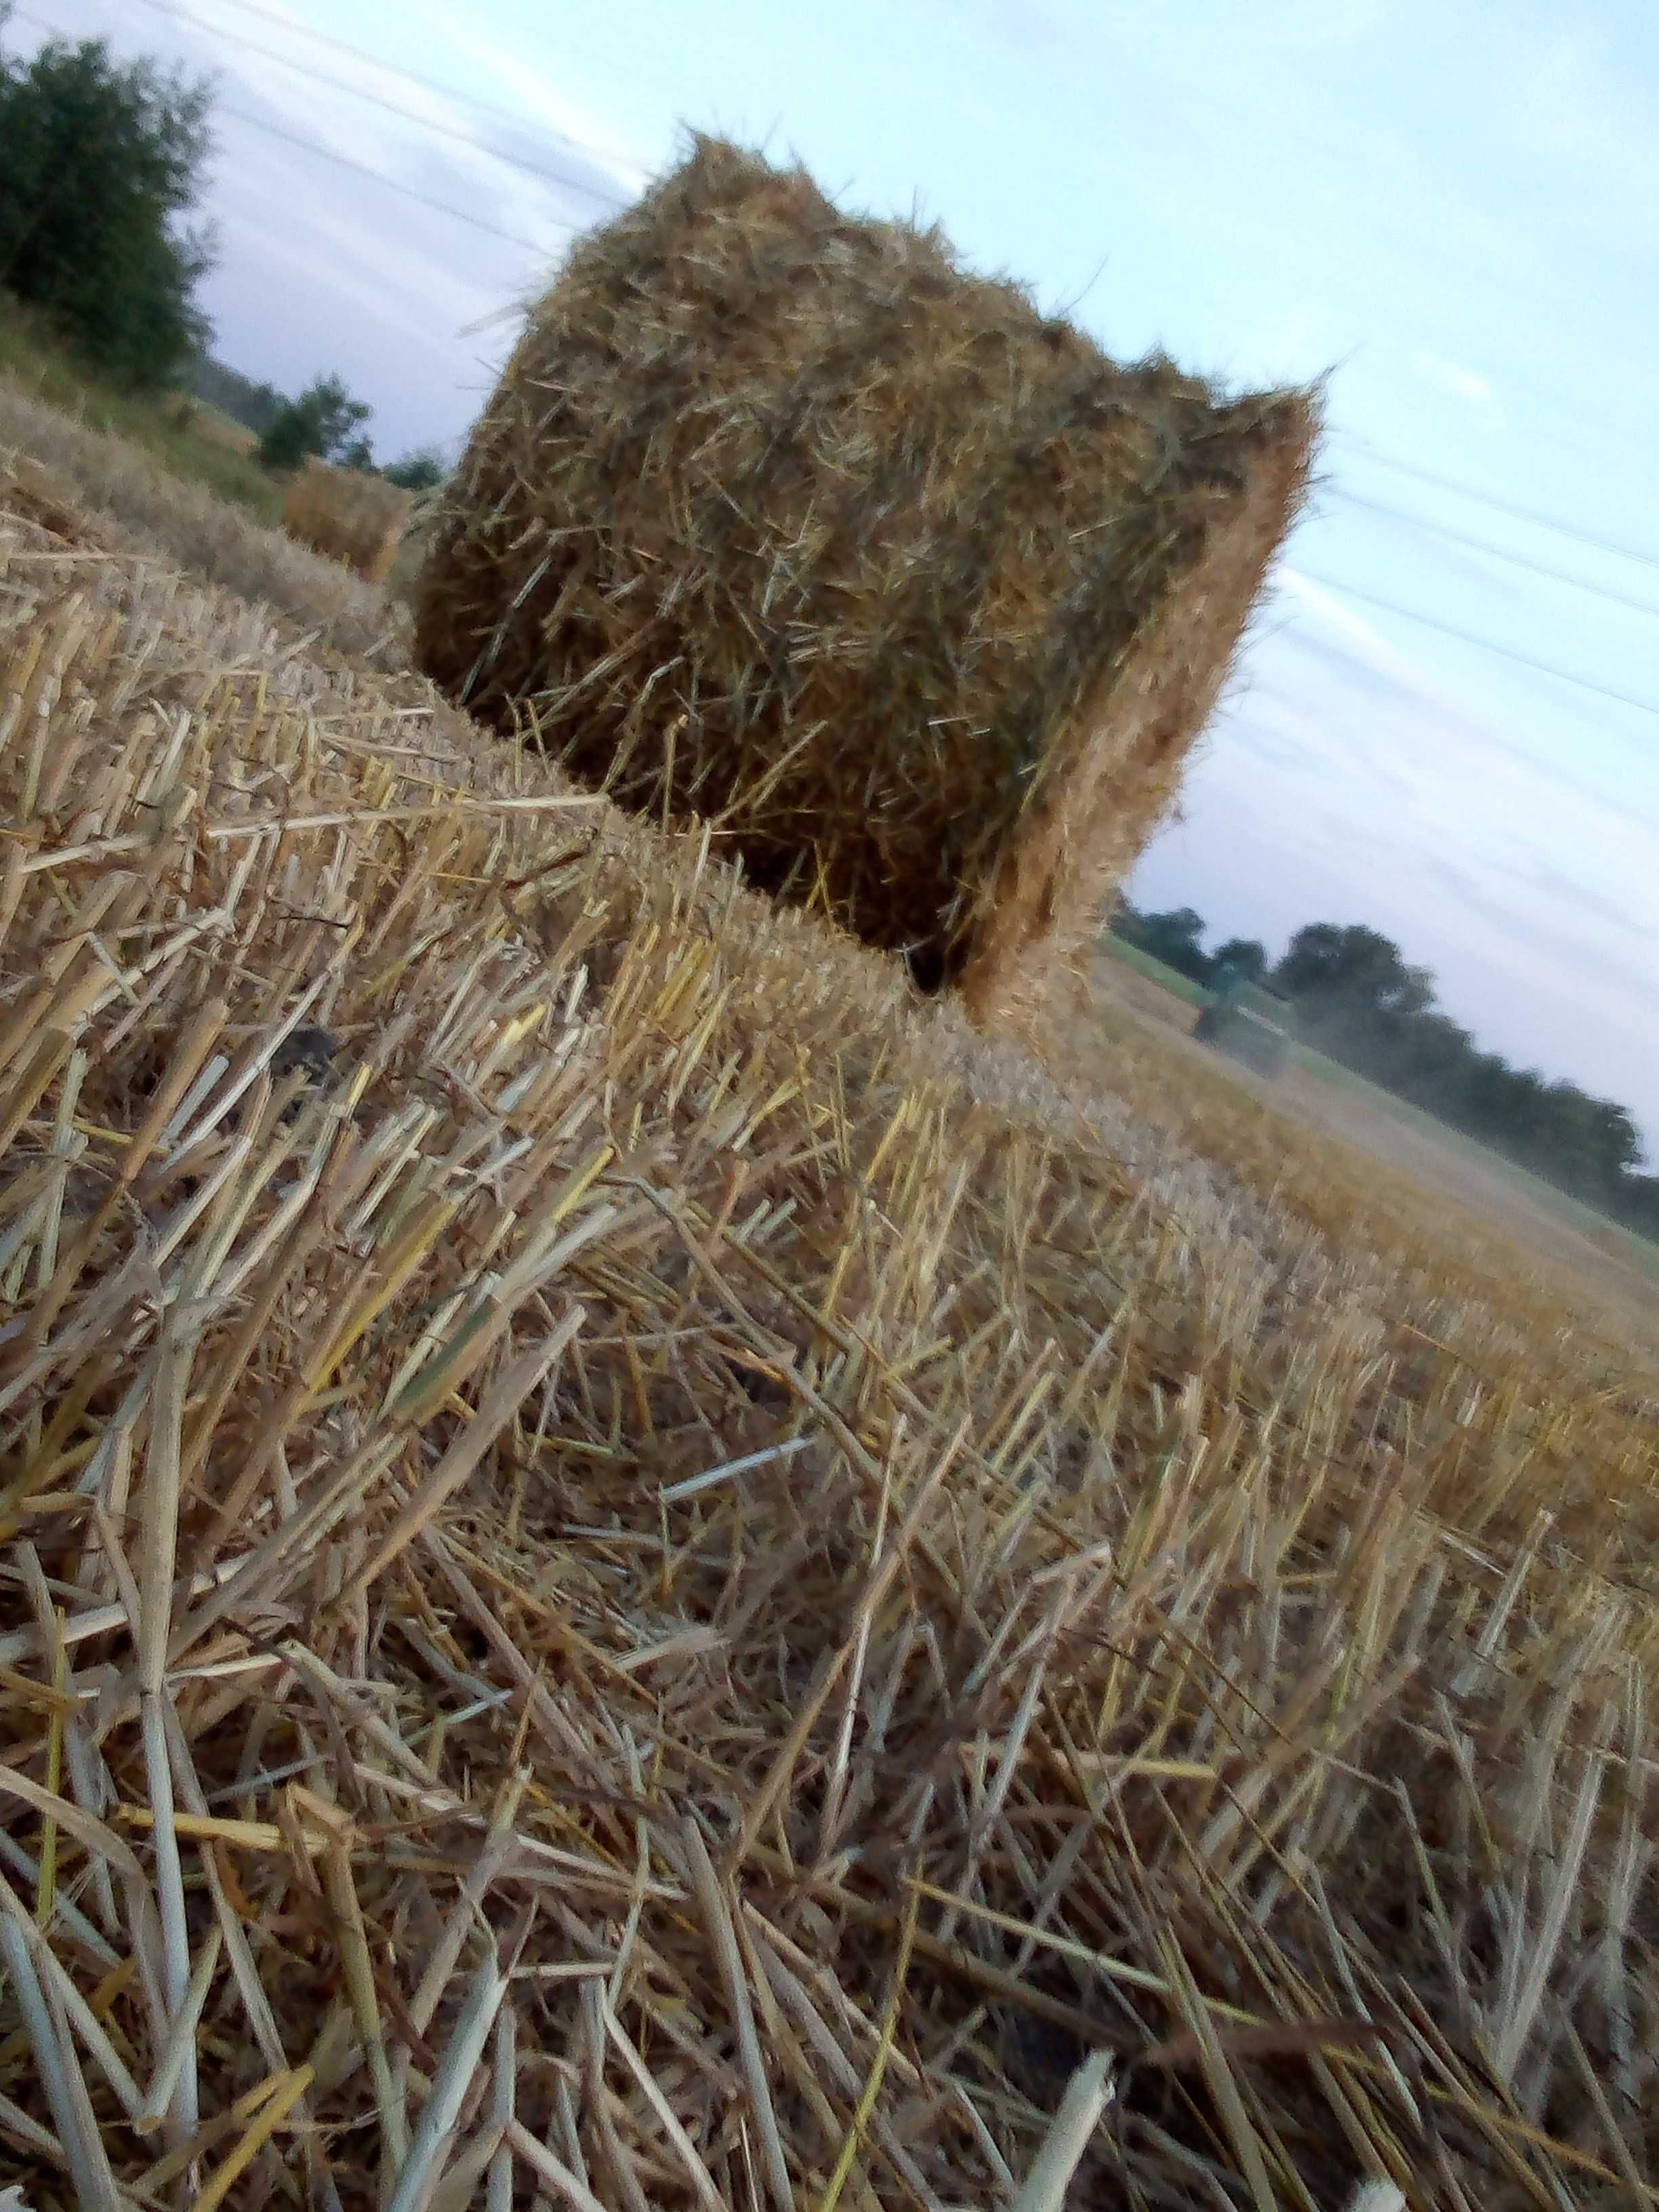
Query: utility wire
(379, 177)
(1486, 644)
(1498, 552)
(513, 115)
(563, 181)
(1503, 505)
(1347, 591)
(555, 177)
(558, 177)
(346, 161)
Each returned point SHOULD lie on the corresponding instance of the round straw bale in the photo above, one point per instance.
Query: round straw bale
(788, 522)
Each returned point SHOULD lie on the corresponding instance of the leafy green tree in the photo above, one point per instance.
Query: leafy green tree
(1246, 957)
(1435, 1051)
(421, 471)
(1353, 970)
(1590, 1143)
(99, 163)
(1175, 937)
(323, 423)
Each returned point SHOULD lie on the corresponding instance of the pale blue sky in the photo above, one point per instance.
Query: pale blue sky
(1455, 207)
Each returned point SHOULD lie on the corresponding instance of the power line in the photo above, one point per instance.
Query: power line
(1505, 506)
(1498, 552)
(411, 77)
(558, 177)
(379, 177)
(512, 237)
(566, 182)
(360, 168)
(1486, 644)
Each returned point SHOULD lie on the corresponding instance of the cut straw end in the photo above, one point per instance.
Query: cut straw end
(1087, 2095)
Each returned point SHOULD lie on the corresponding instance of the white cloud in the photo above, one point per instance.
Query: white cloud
(1450, 376)
(536, 94)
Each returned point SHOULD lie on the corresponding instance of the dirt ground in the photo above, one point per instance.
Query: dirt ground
(1601, 1254)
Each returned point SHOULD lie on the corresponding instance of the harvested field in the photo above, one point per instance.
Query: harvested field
(350, 515)
(1150, 1056)
(782, 521)
(131, 498)
(638, 1574)
(221, 429)
(173, 436)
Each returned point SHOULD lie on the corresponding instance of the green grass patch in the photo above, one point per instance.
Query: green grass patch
(1118, 948)
(161, 423)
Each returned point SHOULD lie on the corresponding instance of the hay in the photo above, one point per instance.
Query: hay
(219, 429)
(780, 520)
(41, 497)
(350, 514)
(138, 505)
(632, 1572)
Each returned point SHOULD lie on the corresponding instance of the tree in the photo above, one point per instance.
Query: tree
(1432, 1058)
(1355, 968)
(1358, 999)
(1175, 937)
(1361, 1001)
(322, 425)
(1246, 957)
(100, 161)
(421, 471)
(1590, 1143)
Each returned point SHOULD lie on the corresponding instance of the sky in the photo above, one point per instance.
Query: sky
(1451, 212)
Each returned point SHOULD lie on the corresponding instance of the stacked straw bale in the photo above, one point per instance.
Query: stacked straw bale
(350, 514)
(633, 1573)
(782, 519)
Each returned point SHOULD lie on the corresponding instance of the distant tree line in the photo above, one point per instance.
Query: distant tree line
(1359, 1001)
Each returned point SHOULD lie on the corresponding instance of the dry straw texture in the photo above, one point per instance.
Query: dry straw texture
(780, 520)
(221, 430)
(135, 502)
(635, 1575)
(349, 514)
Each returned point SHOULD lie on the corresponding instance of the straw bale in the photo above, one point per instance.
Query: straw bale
(783, 520)
(635, 1572)
(350, 514)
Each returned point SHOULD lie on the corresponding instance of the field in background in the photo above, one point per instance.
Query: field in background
(918, 1559)
(1321, 1092)
(193, 441)
(135, 504)
(192, 490)
(1170, 980)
